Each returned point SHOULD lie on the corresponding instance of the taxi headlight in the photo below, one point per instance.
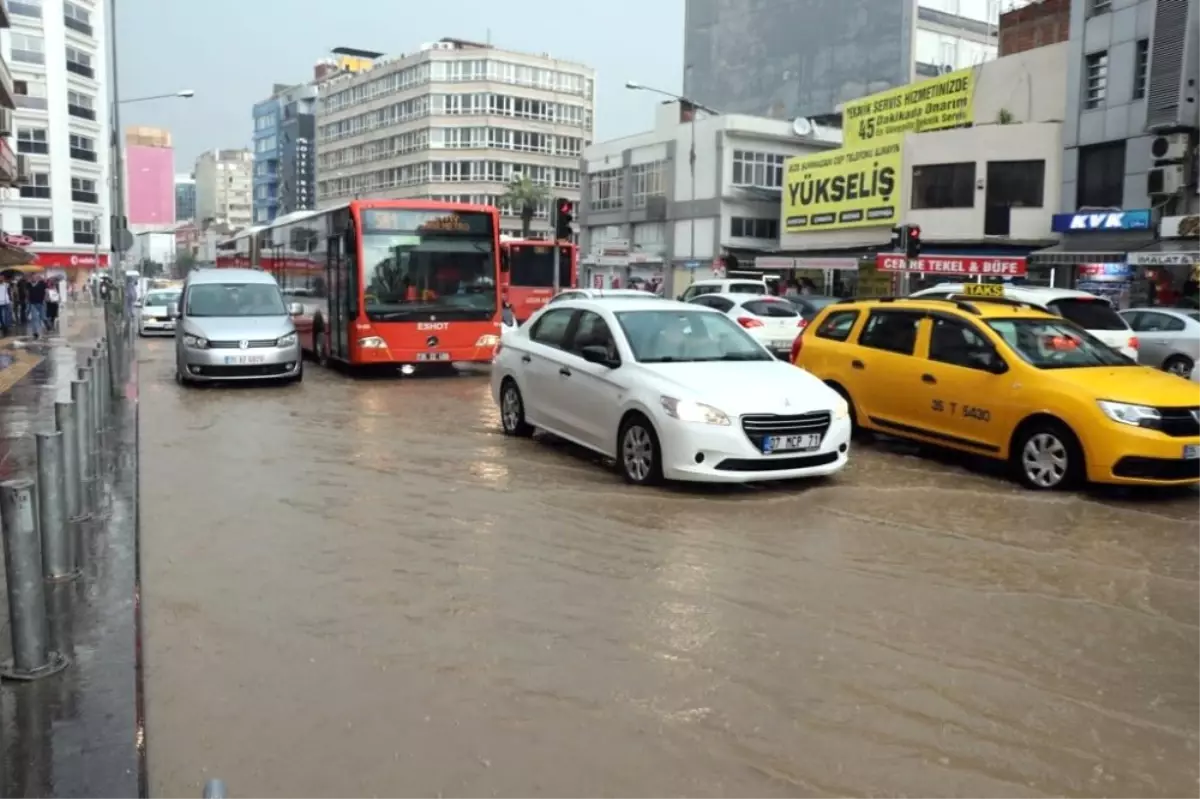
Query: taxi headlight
(195, 342)
(687, 411)
(372, 343)
(286, 341)
(1125, 413)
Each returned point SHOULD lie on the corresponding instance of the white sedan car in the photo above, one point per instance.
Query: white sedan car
(156, 312)
(771, 321)
(669, 390)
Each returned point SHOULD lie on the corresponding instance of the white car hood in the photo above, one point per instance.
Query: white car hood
(739, 387)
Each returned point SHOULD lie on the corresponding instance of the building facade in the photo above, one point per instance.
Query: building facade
(1036, 25)
(55, 50)
(791, 59)
(456, 121)
(297, 184)
(150, 178)
(223, 188)
(646, 216)
(268, 117)
(11, 251)
(185, 198)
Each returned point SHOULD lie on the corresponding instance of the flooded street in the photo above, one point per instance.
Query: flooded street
(360, 587)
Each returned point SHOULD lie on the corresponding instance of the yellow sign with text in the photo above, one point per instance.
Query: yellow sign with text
(847, 188)
(946, 101)
(992, 290)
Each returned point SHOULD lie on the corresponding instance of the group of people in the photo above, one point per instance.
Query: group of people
(28, 302)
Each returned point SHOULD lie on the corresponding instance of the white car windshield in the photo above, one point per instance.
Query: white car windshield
(684, 335)
(158, 299)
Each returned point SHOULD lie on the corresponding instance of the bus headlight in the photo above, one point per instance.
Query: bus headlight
(372, 343)
(487, 341)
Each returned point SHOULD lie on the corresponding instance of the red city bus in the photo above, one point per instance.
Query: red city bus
(238, 251)
(528, 273)
(407, 283)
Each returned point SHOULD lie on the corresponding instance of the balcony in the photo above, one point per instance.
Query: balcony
(80, 154)
(89, 197)
(80, 69)
(8, 98)
(81, 112)
(8, 163)
(76, 25)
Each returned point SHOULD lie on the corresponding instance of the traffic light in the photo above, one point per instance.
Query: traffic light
(912, 242)
(562, 218)
(897, 238)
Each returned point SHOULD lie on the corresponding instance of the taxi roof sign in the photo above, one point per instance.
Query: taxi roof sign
(995, 290)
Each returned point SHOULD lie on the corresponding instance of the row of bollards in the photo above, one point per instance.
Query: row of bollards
(42, 519)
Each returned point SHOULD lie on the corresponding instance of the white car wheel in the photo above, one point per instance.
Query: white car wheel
(639, 454)
(512, 410)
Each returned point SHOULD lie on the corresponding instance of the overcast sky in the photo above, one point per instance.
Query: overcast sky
(231, 52)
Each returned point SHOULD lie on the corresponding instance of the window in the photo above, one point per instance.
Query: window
(1019, 184)
(37, 228)
(648, 181)
(1101, 177)
(83, 190)
(83, 148)
(33, 141)
(551, 329)
(77, 18)
(714, 301)
(79, 62)
(606, 190)
(1089, 313)
(954, 342)
(757, 169)
(944, 186)
(892, 331)
(773, 308)
(30, 94)
(80, 105)
(85, 231)
(1150, 322)
(592, 331)
(1141, 69)
(837, 325)
(1099, 7)
(746, 228)
(1095, 87)
(27, 49)
(38, 186)
(26, 8)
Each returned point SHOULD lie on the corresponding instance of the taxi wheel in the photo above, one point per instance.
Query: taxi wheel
(1047, 457)
(512, 411)
(639, 455)
(1180, 365)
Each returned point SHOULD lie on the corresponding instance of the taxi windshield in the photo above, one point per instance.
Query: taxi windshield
(1056, 344)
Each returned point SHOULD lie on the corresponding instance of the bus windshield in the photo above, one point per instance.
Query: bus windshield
(418, 263)
(532, 265)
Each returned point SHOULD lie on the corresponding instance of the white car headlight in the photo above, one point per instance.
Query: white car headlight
(286, 341)
(1125, 413)
(841, 410)
(195, 342)
(687, 411)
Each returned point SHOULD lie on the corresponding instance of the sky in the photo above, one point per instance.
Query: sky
(230, 52)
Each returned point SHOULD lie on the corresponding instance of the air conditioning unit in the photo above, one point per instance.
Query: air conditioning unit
(1170, 147)
(1165, 181)
(6, 122)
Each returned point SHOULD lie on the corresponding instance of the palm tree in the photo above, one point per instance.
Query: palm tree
(524, 195)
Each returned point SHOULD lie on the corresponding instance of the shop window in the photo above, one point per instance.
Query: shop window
(943, 186)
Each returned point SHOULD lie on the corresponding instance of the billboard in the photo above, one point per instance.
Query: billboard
(846, 188)
(946, 101)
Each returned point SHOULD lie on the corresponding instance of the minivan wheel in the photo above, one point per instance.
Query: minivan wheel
(639, 455)
(512, 411)
(1047, 457)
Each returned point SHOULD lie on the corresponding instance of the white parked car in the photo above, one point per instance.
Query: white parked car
(156, 312)
(599, 294)
(1094, 314)
(668, 390)
(724, 285)
(772, 321)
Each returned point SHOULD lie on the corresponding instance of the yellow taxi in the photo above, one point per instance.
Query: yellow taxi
(995, 377)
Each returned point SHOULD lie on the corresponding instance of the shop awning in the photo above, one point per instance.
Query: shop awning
(14, 256)
(1168, 252)
(1097, 248)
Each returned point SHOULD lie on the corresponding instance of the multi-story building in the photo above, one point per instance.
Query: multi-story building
(185, 198)
(297, 186)
(149, 178)
(457, 121)
(790, 59)
(10, 251)
(265, 143)
(645, 215)
(55, 50)
(223, 188)
(1038, 24)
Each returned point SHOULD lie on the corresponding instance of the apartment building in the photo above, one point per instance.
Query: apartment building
(55, 50)
(790, 59)
(223, 188)
(1038, 24)
(265, 142)
(10, 250)
(185, 198)
(455, 121)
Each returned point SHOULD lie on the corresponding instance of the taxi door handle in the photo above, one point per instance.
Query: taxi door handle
(526, 359)
(928, 379)
(565, 372)
(858, 364)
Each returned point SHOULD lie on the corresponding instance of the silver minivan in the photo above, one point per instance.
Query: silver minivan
(233, 324)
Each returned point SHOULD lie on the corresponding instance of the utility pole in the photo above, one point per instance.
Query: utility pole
(554, 240)
(117, 212)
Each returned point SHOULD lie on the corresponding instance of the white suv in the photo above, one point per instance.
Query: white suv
(724, 286)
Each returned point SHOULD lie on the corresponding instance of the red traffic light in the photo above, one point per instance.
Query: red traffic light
(914, 231)
(564, 208)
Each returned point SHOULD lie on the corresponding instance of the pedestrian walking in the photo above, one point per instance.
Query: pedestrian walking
(36, 306)
(53, 298)
(21, 301)
(6, 319)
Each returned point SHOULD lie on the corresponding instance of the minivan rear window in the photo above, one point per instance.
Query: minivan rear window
(747, 288)
(1088, 313)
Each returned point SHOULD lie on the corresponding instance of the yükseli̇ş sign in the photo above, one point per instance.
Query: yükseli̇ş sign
(946, 101)
(846, 188)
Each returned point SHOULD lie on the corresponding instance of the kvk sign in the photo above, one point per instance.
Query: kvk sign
(1101, 221)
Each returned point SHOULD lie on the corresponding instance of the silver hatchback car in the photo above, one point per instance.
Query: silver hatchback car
(232, 324)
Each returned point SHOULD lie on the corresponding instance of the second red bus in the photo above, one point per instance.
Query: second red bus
(528, 277)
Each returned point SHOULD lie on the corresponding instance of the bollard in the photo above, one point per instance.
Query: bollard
(58, 557)
(64, 422)
(32, 657)
(102, 385)
(83, 435)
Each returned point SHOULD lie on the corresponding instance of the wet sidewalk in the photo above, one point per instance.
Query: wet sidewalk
(75, 733)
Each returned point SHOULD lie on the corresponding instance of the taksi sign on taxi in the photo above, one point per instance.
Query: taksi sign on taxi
(959, 265)
(946, 101)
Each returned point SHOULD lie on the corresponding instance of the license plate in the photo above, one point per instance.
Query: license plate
(800, 443)
(1191, 452)
(242, 360)
(433, 356)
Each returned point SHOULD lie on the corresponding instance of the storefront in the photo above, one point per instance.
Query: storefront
(72, 266)
(909, 275)
(1096, 244)
(13, 250)
(1170, 266)
(616, 265)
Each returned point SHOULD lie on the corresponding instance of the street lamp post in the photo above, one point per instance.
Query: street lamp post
(691, 153)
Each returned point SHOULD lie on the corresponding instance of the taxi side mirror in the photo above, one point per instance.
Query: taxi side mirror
(987, 361)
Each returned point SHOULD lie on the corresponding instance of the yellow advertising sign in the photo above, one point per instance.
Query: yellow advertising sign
(349, 63)
(992, 290)
(847, 188)
(946, 101)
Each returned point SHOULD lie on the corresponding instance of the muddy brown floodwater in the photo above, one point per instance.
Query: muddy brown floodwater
(356, 588)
